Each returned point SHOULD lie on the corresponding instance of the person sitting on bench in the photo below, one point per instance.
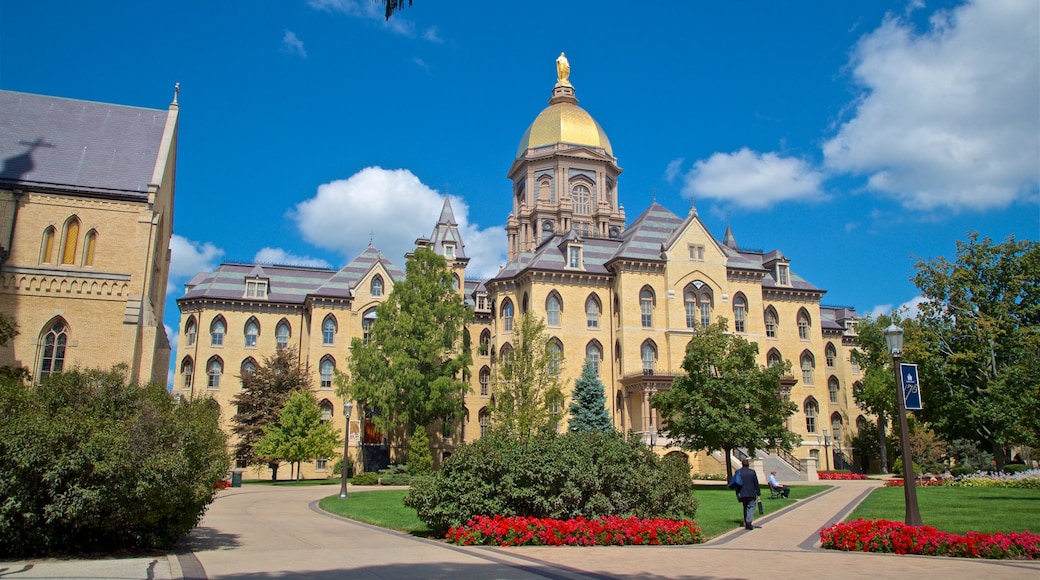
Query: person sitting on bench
(777, 487)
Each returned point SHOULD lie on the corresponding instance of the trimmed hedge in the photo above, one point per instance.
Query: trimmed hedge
(558, 476)
(365, 478)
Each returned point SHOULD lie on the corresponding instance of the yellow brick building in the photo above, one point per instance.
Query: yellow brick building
(86, 215)
(626, 296)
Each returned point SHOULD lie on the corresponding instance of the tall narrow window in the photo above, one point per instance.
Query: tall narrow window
(485, 422)
(214, 369)
(47, 248)
(831, 353)
(690, 303)
(771, 323)
(808, 365)
(281, 335)
(190, 331)
(833, 387)
(216, 332)
(248, 367)
(507, 315)
(783, 274)
(773, 358)
(593, 354)
(327, 367)
(739, 314)
(812, 409)
(187, 370)
(582, 200)
(90, 242)
(328, 330)
(704, 303)
(836, 425)
(649, 357)
(574, 256)
(485, 381)
(54, 343)
(555, 356)
(377, 285)
(252, 332)
(552, 310)
(367, 322)
(68, 250)
(592, 310)
(646, 307)
(803, 325)
(326, 411)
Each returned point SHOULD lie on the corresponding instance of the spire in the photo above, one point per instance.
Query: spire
(176, 93)
(728, 240)
(447, 215)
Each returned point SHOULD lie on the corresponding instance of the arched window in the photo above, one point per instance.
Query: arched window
(690, 303)
(328, 330)
(555, 357)
(582, 200)
(594, 354)
(646, 306)
(506, 355)
(55, 339)
(803, 324)
(217, 329)
(649, 356)
(326, 369)
(248, 367)
(771, 322)
(773, 357)
(552, 309)
(811, 409)
(47, 247)
(191, 329)
(831, 353)
(485, 342)
(187, 371)
(485, 421)
(739, 313)
(282, 333)
(524, 304)
(833, 386)
(214, 369)
(368, 320)
(89, 244)
(68, 248)
(326, 410)
(808, 366)
(836, 425)
(455, 283)
(862, 425)
(485, 381)
(507, 315)
(252, 332)
(377, 285)
(592, 311)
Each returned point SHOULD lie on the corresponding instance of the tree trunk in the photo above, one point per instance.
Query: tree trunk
(274, 470)
(883, 442)
(728, 451)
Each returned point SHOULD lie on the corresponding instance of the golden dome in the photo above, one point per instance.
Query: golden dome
(564, 122)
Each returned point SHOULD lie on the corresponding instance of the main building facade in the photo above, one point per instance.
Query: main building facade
(626, 296)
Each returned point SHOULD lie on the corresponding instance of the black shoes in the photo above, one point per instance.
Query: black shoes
(748, 526)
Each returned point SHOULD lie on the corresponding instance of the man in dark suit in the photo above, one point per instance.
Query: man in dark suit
(745, 483)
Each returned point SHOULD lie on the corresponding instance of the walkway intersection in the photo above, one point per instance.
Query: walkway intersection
(267, 532)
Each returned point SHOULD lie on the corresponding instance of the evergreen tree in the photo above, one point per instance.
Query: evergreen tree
(262, 396)
(420, 460)
(299, 434)
(588, 407)
(526, 390)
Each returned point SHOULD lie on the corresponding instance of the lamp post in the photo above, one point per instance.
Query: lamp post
(827, 448)
(894, 340)
(347, 407)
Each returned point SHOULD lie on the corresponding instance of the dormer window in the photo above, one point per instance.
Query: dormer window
(574, 256)
(256, 288)
(449, 251)
(783, 275)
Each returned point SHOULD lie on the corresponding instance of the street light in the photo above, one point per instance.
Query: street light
(827, 448)
(894, 340)
(347, 407)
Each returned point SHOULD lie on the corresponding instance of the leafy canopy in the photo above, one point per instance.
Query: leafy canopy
(299, 434)
(262, 396)
(526, 388)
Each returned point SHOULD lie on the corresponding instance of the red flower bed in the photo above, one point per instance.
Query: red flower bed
(843, 476)
(899, 538)
(918, 483)
(602, 531)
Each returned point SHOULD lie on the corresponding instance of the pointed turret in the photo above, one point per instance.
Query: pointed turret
(728, 240)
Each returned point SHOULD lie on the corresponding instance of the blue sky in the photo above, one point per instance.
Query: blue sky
(853, 137)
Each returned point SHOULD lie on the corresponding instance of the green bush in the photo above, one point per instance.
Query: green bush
(365, 478)
(960, 471)
(1015, 468)
(420, 459)
(395, 479)
(559, 476)
(89, 463)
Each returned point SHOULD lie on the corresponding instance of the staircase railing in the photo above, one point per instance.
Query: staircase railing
(789, 458)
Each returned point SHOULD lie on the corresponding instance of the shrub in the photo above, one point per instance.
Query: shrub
(1029, 479)
(420, 460)
(89, 463)
(395, 479)
(365, 478)
(558, 476)
(1015, 468)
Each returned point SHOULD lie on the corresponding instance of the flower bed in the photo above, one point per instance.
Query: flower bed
(933, 482)
(837, 475)
(899, 538)
(602, 531)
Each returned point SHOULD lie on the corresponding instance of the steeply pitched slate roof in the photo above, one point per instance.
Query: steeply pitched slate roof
(78, 145)
(366, 260)
(643, 239)
(447, 230)
(834, 317)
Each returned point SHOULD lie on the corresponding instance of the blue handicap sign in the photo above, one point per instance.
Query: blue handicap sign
(911, 387)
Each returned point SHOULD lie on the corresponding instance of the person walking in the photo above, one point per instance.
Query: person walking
(745, 483)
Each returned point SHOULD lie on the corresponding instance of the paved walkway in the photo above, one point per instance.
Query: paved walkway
(266, 532)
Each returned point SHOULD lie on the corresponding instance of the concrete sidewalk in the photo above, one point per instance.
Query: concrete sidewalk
(269, 532)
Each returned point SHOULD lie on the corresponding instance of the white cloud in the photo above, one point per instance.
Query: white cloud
(421, 64)
(947, 118)
(673, 169)
(188, 258)
(374, 13)
(279, 256)
(392, 208)
(432, 34)
(753, 180)
(292, 44)
(908, 309)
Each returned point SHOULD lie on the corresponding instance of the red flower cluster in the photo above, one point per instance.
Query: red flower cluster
(897, 537)
(919, 483)
(843, 476)
(601, 531)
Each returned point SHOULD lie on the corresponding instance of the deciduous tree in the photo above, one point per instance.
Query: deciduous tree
(299, 434)
(526, 387)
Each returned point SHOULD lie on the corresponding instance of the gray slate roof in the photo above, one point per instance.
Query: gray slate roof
(69, 144)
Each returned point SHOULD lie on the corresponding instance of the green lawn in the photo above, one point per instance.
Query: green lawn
(718, 512)
(959, 509)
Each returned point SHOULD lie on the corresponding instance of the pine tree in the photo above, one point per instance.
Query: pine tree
(589, 403)
(420, 460)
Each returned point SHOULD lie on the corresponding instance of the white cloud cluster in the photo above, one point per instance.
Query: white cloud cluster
(948, 118)
(188, 258)
(751, 180)
(374, 13)
(909, 309)
(268, 255)
(392, 208)
(292, 44)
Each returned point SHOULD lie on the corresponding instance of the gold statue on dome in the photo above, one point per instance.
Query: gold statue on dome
(563, 70)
